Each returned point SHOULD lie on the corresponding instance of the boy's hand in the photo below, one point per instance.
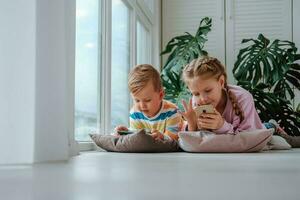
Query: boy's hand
(157, 135)
(189, 115)
(119, 128)
(211, 121)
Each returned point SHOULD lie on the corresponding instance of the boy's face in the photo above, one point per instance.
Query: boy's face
(206, 91)
(147, 100)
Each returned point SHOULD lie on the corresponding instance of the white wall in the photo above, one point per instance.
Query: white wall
(296, 23)
(34, 81)
(17, 81)
(51, 130)
(296, 36)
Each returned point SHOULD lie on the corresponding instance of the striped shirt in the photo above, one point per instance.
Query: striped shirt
(166, 121)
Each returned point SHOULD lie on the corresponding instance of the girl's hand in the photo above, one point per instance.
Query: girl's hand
(211, 121)
(157, 135)
(189, 115)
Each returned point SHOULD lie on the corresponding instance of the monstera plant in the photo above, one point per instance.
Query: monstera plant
(270, 72)
(182, 49)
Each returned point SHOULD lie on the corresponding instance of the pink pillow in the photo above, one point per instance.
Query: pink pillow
(205, 141)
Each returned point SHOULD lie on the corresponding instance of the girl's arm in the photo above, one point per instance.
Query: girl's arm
(189, 116)
(251, 119)
(173, 125)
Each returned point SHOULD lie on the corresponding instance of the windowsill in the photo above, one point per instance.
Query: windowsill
(86, 146)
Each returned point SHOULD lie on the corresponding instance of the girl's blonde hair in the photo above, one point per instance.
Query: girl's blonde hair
(209, 67)
(140, 76)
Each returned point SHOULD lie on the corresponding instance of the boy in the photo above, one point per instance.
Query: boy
(150, 111)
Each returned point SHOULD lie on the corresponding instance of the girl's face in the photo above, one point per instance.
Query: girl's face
(148, 101)
(206, 91)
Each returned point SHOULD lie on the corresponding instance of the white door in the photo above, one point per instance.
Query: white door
(180, 16)
(247, 18)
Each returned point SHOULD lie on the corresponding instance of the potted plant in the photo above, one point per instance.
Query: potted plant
(270, 72)
(267, 70)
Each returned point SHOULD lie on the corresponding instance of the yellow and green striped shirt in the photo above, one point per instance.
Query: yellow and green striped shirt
(166, 121)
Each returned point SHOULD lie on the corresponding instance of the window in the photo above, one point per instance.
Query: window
(142, 44)
(87, 69)
(111, 37)
(120, 63)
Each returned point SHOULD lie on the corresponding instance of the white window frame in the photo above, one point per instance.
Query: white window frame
(139, 11)
(145, 10)
(146, 23)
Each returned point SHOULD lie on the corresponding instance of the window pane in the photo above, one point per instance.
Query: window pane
(120, 63)
(86, 69)
(142, 44)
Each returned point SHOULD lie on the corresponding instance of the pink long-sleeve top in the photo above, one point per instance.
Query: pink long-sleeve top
(232, 123)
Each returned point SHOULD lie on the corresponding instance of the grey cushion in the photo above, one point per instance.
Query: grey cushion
(139, 142)
(205, 141)
(277, 143)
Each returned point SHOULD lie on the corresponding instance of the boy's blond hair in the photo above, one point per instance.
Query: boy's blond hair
(140, 76)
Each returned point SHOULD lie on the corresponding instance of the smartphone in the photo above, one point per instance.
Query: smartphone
(125, 132)
(204, 109)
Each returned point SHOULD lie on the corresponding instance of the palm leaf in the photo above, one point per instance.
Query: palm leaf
(267, 62)
(271, 106)
(186, 47)
(175, 89)
(182, 49)
(270, 72)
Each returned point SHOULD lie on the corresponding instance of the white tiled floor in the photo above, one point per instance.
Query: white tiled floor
(101, 175)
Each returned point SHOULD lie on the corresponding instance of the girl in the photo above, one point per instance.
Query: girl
(234, 106)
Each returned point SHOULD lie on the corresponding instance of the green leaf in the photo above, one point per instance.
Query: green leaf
(182, 49)
(269, 71)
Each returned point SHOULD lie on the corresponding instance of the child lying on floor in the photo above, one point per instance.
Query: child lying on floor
(150, 111)
(234, 111)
